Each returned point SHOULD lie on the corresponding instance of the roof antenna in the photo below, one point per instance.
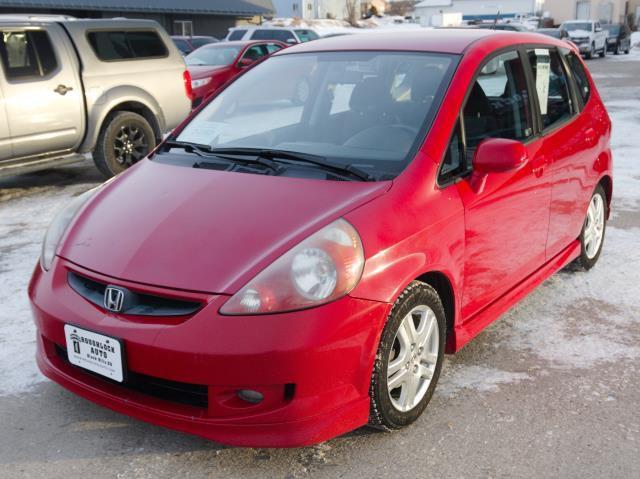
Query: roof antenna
(495, 21)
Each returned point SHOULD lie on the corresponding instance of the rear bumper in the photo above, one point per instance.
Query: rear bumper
(313, 366)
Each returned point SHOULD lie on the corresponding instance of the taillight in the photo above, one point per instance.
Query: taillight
(187, 84)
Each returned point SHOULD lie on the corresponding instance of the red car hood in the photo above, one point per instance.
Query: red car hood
(204, 71)
(202, 230)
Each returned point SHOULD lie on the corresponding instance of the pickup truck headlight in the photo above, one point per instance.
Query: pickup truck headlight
(59, 226)
(322, 268)
(201, 82)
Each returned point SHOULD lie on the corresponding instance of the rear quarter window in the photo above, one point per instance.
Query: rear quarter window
(580, 77)
(126, 45)
(236, 35)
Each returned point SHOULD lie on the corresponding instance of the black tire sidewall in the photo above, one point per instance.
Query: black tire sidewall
(104, 156)
(383, 413)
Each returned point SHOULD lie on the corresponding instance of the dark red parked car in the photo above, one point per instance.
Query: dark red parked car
(277, 273)
(211, 66)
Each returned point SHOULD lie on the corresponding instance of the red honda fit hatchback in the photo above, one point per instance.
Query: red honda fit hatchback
(278, 273)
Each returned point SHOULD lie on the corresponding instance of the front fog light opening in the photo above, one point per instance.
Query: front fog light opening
(250, 396)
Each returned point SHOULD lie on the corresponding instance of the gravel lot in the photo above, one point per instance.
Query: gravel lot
(551, 389)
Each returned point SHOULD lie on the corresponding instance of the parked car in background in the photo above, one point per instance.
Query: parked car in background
(70, 87)
(211, 66)
(558, 33)
(276, 274)
(188, 44)
(290, 35)
(588, 35)
(619, 37)
(509, 27)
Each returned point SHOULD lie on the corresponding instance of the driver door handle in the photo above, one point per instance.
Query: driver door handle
(62, 89)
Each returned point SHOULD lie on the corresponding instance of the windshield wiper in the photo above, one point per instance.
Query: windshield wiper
(208, 152)
(317, 160)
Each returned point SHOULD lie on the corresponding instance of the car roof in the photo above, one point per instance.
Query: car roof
(453, 41)
(239, 43)
(269, 27)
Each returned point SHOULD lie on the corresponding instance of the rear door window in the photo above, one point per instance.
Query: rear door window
(552, 86)
(27, 54)
(126, 45)
(273, 34)
(580, 76)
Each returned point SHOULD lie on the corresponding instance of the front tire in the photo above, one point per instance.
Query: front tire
(593, 230)
(125, 139)
(590, 54)
(603, 52)
(409, 358)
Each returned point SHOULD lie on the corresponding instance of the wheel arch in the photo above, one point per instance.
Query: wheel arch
(607, 184)
(123, 99)
(443, 286)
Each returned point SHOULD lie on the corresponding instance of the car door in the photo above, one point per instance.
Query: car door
(506, 221)
(5, 138)
(570, 141)
(43, 97)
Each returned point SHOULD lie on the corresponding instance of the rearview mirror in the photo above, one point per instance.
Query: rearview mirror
(496, 155)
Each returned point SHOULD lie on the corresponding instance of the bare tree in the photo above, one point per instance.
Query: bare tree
(400, 7)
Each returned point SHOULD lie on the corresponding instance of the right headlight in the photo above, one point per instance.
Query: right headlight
(59, 226)
(322, 268)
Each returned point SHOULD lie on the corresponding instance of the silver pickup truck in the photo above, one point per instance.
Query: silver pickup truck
(69, 87)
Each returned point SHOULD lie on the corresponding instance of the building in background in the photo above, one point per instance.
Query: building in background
(178, 17)
(431, 11)
(607, 11)
(314, 9)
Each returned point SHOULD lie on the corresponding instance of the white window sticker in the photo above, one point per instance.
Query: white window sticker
(543, 70)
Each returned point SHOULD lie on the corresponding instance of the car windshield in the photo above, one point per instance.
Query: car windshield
(217, 55)
(612, 29)
(574, 26)
(364, 109)
(307, 35)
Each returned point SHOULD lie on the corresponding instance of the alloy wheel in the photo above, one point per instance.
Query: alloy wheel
(594, 227)
(413, 358)
(130, 144)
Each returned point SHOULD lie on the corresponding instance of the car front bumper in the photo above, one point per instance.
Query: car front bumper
(313, 367)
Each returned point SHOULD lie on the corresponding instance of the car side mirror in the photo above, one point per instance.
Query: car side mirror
(245, 62)
(290, 41)
(598, 29)
(496, 155)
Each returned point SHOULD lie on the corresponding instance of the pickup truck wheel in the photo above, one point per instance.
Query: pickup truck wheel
(603, 52)
(125, 139)
(409, 358)
(592, 51)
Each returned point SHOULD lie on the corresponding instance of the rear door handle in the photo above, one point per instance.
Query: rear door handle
(62, 89)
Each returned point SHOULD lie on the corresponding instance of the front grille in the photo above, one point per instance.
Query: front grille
(196, 395)
(135, 304)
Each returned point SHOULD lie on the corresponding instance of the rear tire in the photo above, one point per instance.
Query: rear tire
(603, 52)
(125, 139)
(409, 358)
(617, 50)
(593, 230)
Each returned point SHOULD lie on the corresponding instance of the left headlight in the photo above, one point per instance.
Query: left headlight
(59, 226)
(322, 268)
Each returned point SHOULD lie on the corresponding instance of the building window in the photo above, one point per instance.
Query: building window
(183, 27)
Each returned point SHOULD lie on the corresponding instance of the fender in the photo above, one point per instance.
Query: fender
(101, 103)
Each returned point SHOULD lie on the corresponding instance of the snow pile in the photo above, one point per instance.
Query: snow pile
(635, 39)
(326, 26)
(24, 218)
